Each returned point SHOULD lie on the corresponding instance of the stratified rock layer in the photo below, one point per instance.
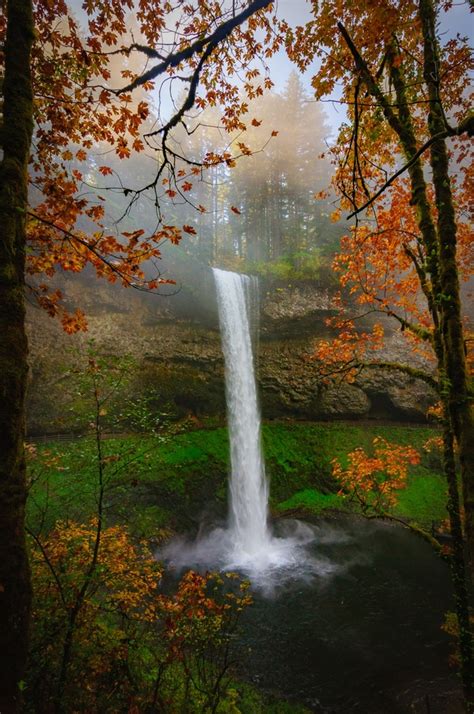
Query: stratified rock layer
(178, 366)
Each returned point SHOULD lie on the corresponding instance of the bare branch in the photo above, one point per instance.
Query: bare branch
(48, 562)
(188, 103)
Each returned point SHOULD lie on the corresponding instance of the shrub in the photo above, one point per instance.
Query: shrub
(105, 636)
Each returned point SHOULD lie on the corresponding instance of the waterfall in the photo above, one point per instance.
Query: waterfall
(247, 486)
(246, 544)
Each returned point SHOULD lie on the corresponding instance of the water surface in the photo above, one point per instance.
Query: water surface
(351, 624)
(364, 636)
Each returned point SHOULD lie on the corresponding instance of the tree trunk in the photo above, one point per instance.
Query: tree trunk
(16, 139)
(458, 570)
(456, 378)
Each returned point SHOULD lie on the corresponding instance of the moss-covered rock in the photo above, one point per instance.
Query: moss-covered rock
(177, 485)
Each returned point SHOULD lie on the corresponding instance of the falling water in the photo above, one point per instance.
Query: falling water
(247, 543)
(248, 485)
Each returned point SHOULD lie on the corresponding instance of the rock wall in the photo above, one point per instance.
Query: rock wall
(177, 365)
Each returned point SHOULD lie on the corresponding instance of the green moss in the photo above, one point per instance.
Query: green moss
(148, 522)
(187, 473)
(185, 455)
(424, 500)
(314, 501)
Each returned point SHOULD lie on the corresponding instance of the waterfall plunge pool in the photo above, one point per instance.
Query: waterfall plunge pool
(347, 615)
(354, 626)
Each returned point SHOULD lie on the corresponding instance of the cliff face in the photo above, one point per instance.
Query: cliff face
(292, 322)
(177, 364)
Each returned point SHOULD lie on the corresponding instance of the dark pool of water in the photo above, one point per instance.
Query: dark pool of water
(364, 638)
(361, 636)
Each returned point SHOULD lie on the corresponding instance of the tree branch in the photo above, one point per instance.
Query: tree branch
(406, 369)
(48, 562)
(130, 282)
(421, 532)
(175, 58)
(405, 167)
(188, 103)
(465, 126)
(370, 82)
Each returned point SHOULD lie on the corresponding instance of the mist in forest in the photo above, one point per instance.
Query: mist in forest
(257, 212)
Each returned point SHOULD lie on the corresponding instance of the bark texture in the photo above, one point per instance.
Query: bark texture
(458, 570)
(456, 379)
(439, 282)
(16, 139)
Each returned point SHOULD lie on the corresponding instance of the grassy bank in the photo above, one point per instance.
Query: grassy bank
(161, 485)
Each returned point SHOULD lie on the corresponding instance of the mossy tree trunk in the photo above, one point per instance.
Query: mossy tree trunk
(443, 297)
(16, 139)
(455, 374)
(438, 235)
(458, 570)
(440, 283)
